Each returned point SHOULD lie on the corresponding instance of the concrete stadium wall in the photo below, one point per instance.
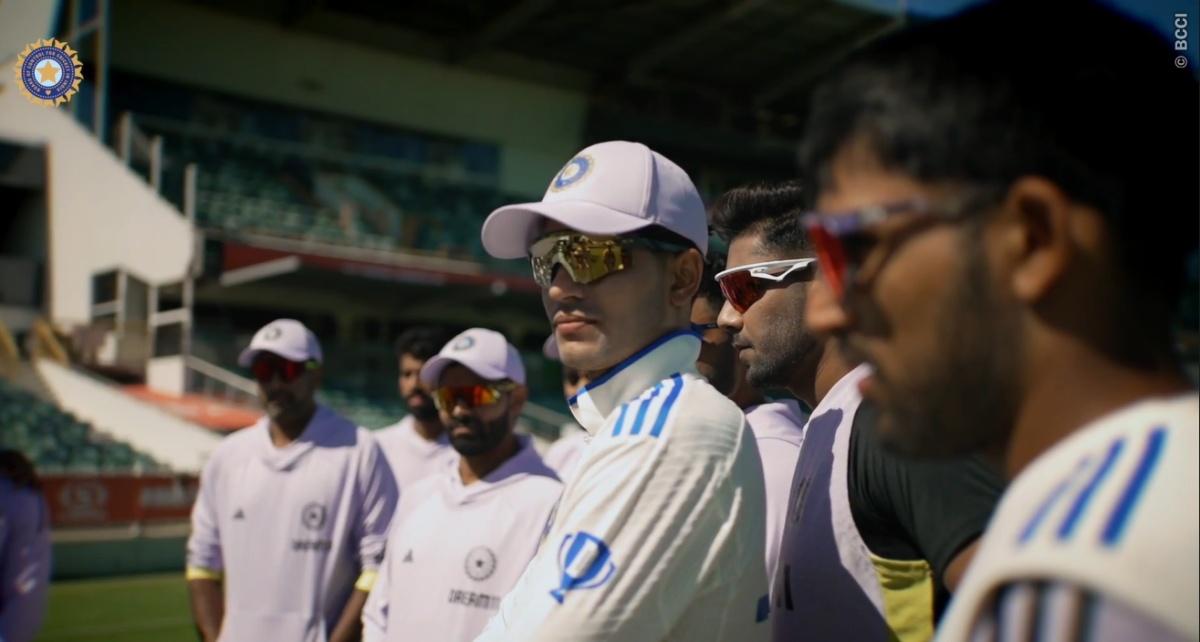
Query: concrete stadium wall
(537, 127)
(100, 215)
(180, 444)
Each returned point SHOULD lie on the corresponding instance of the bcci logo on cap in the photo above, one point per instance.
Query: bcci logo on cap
(585, 563)
(49, 72)
(464, 343)
(574, 171)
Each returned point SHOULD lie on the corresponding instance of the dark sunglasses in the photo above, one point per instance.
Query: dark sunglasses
(743, 286)
(265, 369)
(478, 395)
(844, 240)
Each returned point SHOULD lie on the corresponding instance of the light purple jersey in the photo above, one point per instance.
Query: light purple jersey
(24, 561)
(291, 528)
(778, 427)
(454, 550)
(411, 456)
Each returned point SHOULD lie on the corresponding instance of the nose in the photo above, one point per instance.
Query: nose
(824, 313)
(729, 320)
(563, 287)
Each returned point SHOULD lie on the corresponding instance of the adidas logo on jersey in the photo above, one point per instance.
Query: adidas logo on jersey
(408, 557)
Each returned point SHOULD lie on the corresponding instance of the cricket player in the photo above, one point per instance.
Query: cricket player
(462, 536)
(24, 549)
(885, 537)
(417, 445)
(290, 522)
(1007, 254)
(778, 425)
(564, 453)
(659, 533)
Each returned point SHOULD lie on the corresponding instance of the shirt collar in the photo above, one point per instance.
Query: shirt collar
(287, 456)
(525, 461)
(674, 352)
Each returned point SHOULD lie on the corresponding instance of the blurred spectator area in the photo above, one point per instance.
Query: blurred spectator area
(275, 170)
(56, 441)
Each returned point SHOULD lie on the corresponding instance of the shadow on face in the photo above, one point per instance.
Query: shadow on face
(770, 337)
(478, 429)
(600, 324)
(286, 389)
(718, 360)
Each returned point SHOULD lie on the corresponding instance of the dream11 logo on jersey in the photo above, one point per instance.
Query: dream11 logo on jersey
(584, 562)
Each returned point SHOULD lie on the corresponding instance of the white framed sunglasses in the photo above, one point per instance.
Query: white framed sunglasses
(742, 285)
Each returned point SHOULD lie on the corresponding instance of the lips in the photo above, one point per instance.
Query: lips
(568, 324)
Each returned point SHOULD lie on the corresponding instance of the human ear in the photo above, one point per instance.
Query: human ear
(1038, 236)
(686, 270)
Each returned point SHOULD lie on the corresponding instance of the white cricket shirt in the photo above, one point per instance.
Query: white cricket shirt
(1113, 510)
(291, 528)
(778, 427)
(659, 535)
(455, 550)
(411, 456)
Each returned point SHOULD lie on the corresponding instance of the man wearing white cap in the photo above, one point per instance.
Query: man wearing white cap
(292, 515)
(462, 536)
(660, 533)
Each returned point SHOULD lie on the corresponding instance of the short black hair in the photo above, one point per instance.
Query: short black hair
(1068, 90)
(421, 342)
(709, 289)
(771, 210)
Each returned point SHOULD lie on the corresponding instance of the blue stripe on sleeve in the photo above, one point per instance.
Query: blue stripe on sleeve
(1089, 491)
(620, 420)
(643, 409)
(1133, 492)
(677, 387)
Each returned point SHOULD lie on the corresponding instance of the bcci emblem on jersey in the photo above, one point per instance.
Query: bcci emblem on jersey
(480, 563)
(313, 516)
(585, 563)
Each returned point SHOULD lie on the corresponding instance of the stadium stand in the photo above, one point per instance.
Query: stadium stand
(56, 441)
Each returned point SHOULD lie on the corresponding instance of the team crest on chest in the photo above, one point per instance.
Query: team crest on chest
(480, 563)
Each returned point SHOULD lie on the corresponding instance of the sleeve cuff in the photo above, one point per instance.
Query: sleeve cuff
(366, 581)
(198, 573)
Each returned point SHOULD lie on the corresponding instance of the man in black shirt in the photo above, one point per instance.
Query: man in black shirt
(872, 542)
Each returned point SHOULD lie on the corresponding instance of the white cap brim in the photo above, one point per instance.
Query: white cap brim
(246, 358)
(432, 370)
(508, 231)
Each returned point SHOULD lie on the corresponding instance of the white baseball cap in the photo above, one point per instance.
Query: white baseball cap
(486, 352)
(608, 189)
(287, 338)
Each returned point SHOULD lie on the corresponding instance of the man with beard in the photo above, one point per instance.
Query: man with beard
(873, 542)
(659, 534)
(777, 424)
(462, 536)
(290, 521)
(417, 444)
(1003, 235)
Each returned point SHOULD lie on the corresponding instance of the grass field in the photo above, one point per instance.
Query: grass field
(144, 608)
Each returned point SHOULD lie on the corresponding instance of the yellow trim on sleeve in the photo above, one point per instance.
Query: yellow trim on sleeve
(366, 581)
(907, 597)
(197, 573)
